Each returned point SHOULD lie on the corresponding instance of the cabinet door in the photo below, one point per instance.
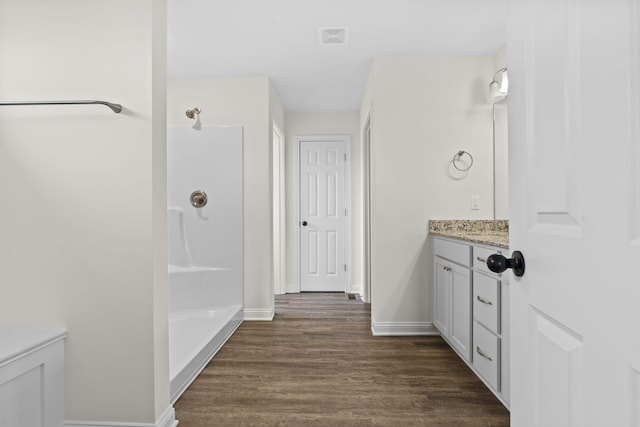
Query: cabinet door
(442, 297)
(461, 310)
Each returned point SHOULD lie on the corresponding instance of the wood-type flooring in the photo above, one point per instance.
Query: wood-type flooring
(317, 364)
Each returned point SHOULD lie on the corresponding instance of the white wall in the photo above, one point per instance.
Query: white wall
(424, 109)
(249, 102)
(83, 218)
(502, 145)
(322, 123)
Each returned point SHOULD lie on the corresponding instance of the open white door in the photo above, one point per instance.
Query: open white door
(574, 123)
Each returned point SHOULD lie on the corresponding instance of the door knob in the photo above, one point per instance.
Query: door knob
(304, 223)
(499, 263)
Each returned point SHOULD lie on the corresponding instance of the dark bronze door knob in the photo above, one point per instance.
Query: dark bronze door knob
(499, 263)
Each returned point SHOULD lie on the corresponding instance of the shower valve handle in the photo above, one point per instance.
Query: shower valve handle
(198, 199)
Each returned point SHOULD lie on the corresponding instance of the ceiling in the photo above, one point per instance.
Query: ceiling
(280, 39)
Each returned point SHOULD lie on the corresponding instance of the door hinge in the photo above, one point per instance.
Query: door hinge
(346, 212)
(345, 157)
(345, 267)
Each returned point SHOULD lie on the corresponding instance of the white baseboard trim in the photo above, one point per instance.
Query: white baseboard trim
(292, 288)
(167, 419)
(259, 314)
(356, 288)
(403, 328)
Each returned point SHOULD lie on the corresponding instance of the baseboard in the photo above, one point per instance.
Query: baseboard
(403, 328)
(356, 288)
(167, 419)
(259, 314)
(292, 288)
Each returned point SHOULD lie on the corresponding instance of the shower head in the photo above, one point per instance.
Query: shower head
(498, 89)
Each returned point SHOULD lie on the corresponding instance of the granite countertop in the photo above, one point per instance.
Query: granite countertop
(488, 232)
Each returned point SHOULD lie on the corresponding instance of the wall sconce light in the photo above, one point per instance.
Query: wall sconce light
(499, 86)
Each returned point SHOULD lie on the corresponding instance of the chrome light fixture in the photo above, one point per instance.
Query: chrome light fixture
(499, 86)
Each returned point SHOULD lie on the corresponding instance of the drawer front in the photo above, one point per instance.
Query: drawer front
(456, 252)
(486, 355)
(480, 255)
(486, 301)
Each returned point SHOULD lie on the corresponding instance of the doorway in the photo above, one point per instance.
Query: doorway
(366, 195)
(324, 226)
(278, 202)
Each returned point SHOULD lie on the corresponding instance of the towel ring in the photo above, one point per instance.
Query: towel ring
(458, 157)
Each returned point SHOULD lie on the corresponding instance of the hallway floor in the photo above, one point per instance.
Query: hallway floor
(317, 364)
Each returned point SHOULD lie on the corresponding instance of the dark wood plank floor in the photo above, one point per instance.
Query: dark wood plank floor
(317, 364)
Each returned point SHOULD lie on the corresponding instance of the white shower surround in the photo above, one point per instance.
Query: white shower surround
(205, 247)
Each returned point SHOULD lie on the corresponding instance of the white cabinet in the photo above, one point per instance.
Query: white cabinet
(486, 301)
(486, 356)
(453, 295)
(453, 305)
(491, 322)
(471, 310)
(442, 297)
(461, 310)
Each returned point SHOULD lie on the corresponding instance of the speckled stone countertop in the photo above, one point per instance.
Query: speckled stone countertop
(488, 232)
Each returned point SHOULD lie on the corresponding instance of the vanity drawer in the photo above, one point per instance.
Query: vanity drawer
(480, 255)
(486, 301)
(486, 355)
(456, 252)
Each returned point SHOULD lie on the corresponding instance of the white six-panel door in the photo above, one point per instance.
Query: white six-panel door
(574, 129)
(322, 215)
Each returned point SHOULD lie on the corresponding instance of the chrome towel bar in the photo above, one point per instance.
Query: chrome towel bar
(116, 108)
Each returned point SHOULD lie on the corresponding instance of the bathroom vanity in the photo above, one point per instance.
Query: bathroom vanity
(471, 303)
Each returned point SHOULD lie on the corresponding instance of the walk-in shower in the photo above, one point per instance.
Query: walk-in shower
(205, 215)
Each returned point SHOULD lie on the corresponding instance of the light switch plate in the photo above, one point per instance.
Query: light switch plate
(475, 203)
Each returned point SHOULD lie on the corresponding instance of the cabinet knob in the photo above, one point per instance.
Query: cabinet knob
(499, 263)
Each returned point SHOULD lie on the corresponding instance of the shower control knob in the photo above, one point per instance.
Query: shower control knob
(198, 199)
(304, 223)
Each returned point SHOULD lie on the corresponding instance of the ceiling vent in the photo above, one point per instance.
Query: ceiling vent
(333, 36)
